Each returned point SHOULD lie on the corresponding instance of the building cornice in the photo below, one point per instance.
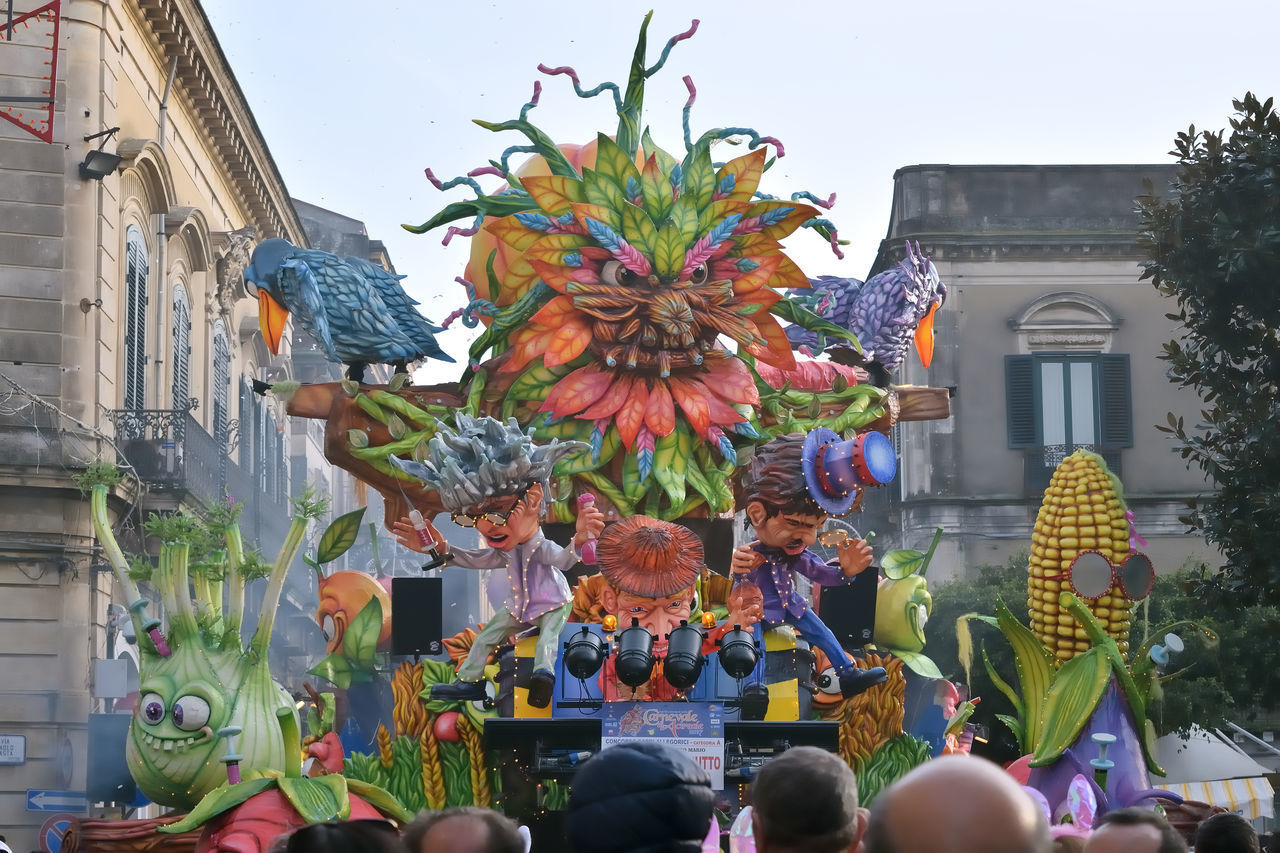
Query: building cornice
(182, 30)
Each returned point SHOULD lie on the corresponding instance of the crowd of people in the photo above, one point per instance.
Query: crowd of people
(650, 798)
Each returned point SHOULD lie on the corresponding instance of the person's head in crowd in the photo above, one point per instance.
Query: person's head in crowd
(1134, 830)
(349, 836)
(4, 848)
(640, 798)
(1226, 833)
(806, 801)
(956, 804)
(1068, 844)
(465, 829)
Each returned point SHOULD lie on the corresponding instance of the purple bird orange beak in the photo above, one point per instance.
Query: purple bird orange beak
(924, 336)
(271, 319)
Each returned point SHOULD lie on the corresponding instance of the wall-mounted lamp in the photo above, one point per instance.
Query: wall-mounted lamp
(98, 163)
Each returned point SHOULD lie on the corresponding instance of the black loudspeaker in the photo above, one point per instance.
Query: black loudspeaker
(850, 610)
(416, 613)
(107, 778)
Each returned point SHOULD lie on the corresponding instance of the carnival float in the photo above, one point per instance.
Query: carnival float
(646, 378)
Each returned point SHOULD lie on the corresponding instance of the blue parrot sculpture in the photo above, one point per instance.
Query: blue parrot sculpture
(886, 312)
(356, 310)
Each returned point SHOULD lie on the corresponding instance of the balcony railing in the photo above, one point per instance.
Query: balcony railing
(174, 455)
(1039, 463)
(170, 451)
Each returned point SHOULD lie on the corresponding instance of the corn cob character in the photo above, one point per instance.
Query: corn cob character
(1083, 513)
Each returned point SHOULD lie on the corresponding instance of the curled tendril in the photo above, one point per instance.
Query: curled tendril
(825, 205)
(473, 310)
(666, 51)
(568, 71)
(455, 231)
(832, 235)
(688, 108)
(503, 163)
(533, 102)
(454, 182)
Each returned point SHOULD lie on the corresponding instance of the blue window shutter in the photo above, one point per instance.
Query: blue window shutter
(1020, 401)
(1117, 401)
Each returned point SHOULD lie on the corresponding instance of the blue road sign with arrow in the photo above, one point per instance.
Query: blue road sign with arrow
(55, 801)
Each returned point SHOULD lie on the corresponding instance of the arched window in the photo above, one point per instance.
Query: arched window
(181, 349)
(221, 382)
(135, 319)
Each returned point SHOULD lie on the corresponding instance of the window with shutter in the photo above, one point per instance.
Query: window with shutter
(181, 349)
(246, 434)
(221, 383)
(1058, 402)
(1117, 401)
(135, 319)
(1020, 404)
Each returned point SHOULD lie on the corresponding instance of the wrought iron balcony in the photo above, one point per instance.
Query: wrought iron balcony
(177, 459)
(171, 452)
(1039, 463)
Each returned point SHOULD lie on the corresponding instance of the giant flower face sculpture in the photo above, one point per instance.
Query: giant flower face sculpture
(628, 294)
(651, 266)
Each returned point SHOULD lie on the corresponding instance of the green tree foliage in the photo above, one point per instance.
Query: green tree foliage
(1214, 248)
(1235, 678)
(978, 594)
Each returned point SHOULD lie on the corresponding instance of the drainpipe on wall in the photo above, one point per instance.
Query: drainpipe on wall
(161, 272)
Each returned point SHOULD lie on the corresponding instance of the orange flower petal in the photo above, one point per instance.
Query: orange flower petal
(660, 416)
(631, 415)
(568, 341)
(526, 344)
(731, 379)
(750, 282)
(691, 398)
(718, 410)
(576, 391)
(555, 313)
(613, 398)
(778, 351)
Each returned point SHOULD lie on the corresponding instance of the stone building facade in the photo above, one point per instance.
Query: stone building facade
(123, 327)
(1049, 341)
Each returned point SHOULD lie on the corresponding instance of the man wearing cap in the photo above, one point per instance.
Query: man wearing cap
(651, 567)
(786, 503)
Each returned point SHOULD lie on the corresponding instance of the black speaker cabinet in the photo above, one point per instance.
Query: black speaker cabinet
(416, 613)
(850, 611)
(107, 778)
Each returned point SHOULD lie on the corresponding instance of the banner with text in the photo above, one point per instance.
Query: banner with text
(694, 729)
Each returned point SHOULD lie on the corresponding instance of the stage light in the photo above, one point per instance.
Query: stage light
(684, 656)
(635, 655)
(738, 654)
(584, 654)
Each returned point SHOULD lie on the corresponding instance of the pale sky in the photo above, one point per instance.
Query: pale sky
(355, 100)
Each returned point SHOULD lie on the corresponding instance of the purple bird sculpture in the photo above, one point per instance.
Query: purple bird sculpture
(886, 313)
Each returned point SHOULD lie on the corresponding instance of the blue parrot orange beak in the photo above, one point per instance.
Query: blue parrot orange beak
(271, 319)
(924, 336)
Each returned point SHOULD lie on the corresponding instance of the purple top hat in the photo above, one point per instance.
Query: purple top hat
(834, 469)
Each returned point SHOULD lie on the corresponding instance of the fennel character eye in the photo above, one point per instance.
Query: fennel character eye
(190, 713)
(614, 272)
(700, 274)
(152, 708)
(829, 682)
(327, 627)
